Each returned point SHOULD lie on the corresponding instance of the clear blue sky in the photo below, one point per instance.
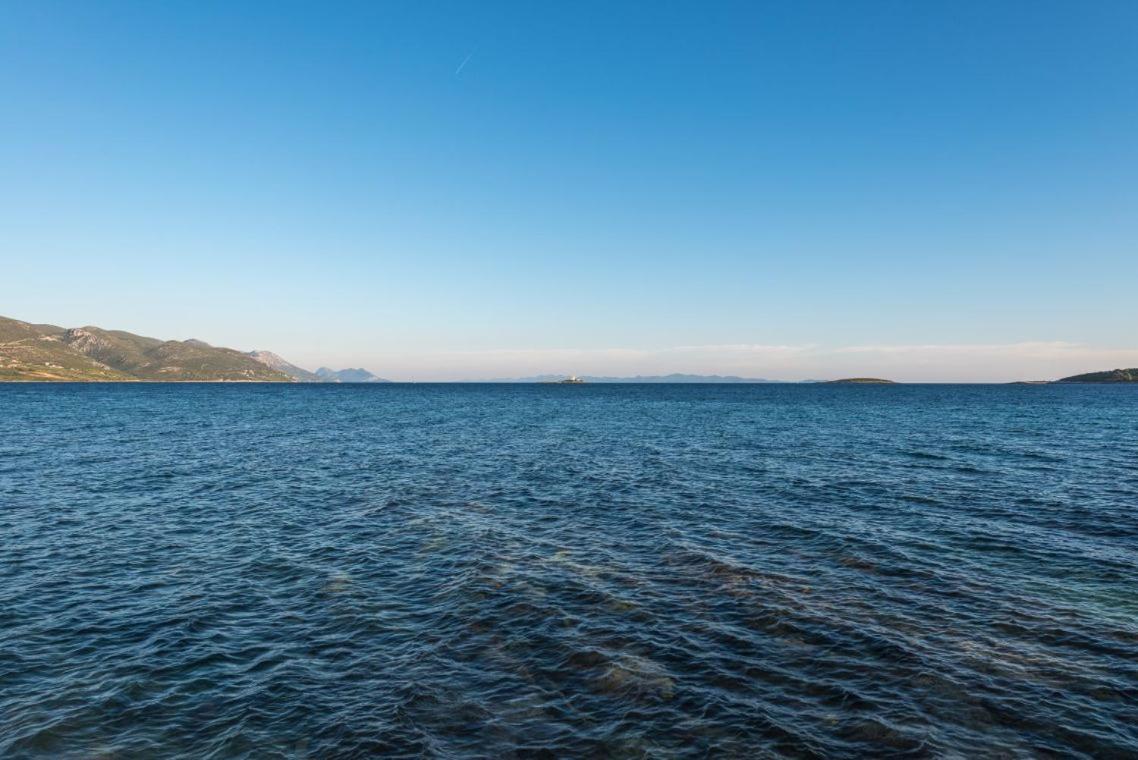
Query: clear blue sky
(480, 189)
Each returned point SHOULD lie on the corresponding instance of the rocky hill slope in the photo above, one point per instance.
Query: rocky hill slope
(46, 352)
(350, 375)
(279, 363)
(1107, 376)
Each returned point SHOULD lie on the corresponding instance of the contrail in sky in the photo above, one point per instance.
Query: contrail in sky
(462, 65)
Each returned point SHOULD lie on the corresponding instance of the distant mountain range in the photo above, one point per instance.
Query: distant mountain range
(673, 378)
(92, 354)
(1109, 376)
(322, 375)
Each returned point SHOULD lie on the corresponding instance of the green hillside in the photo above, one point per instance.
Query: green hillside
(46, 352)
(1107, 376)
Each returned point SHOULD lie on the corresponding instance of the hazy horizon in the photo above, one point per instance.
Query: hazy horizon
(933, 192)
(976, 363)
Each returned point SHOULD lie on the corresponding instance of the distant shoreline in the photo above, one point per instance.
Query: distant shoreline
(818, 383)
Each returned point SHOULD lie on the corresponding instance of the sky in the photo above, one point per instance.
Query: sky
(935, 191)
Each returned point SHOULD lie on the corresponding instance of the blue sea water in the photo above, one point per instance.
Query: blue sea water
(600, 570)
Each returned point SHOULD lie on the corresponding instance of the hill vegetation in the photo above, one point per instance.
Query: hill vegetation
(47, 352)
(1107, 376)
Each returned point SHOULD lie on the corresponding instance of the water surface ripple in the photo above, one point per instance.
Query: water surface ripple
(619, 571)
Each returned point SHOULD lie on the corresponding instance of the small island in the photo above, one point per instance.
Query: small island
(1107, 376)
(861, 381)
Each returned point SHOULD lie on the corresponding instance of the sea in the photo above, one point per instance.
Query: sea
(619, 571)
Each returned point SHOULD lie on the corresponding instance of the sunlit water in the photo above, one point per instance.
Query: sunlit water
(623, 571)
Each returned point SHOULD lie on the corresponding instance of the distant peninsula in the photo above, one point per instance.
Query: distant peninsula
(47, 353)
(1107, 376)
(673, 378)
(861, 381)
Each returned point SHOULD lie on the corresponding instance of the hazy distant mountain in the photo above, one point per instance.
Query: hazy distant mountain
(279, 363)
(673, 378)
(322, 375)
(1107, 376)
(356, 375)
(47, 352)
